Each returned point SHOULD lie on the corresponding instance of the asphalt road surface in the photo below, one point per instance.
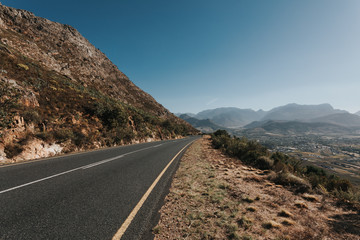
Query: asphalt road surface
(88, 195)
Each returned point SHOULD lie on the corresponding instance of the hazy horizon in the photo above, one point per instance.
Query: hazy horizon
(197, 55)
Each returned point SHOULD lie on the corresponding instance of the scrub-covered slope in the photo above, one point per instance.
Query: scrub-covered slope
(59, 93)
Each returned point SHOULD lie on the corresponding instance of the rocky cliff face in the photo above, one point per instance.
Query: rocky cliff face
(60, 93)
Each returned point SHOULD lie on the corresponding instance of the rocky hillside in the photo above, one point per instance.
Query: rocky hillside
(60, 93)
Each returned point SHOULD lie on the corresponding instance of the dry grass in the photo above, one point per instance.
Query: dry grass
(216, 197)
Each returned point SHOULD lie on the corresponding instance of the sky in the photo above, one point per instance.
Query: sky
(192, 55)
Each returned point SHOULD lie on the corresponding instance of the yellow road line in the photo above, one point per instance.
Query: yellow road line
(133, 213)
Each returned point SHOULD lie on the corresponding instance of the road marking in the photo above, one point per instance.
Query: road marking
(101, 162)
(133, 213)
(75, 169)
(40, 180)
(157, 146)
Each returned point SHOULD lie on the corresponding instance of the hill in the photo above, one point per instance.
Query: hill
(205, 125)
(60, 93)
(342, 119)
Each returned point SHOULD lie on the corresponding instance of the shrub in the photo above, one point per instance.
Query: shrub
(45, 136)
(284, 213)
(61, 135)
(349, 196)
(335, 183)
(12, 150)
(244, 222)
(315, 170)
(8, 104)
(288, 179)
(79, 138)
(264, 163)
(271, 224)
(221, 133)
(31, 116)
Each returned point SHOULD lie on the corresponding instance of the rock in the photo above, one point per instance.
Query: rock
(37, 148)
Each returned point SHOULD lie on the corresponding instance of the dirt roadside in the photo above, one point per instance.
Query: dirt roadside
(216, 197)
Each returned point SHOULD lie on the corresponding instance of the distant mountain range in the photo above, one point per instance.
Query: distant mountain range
(297, 112)
(204, 125)
(231, 117)
(296, 128)
(293, 117)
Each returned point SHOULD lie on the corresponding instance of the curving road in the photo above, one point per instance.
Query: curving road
(89, 195)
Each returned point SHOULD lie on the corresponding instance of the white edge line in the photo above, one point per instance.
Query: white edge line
(72, 170)
(39, 180)
(133, 213)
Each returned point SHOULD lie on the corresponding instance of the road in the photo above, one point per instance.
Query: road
(88, 195)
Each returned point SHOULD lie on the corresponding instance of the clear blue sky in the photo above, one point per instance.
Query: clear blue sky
(192, 55)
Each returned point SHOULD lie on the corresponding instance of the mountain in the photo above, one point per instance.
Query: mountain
(188, 114)
(292, 112)
(357, 113)
(203, 125)
(231, 117)
(342, 119)
(296, 127)
(60, 93)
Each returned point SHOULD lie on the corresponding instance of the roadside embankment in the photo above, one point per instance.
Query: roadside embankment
(217, 197)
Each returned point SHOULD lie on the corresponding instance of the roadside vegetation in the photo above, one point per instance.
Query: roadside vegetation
(286, 170)
(215, 196)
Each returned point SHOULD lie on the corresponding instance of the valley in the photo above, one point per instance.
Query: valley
(337, 154)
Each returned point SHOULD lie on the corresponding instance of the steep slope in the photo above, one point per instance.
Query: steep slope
(294, 111)
(231, 117)
(63, 49)
(59, 93)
